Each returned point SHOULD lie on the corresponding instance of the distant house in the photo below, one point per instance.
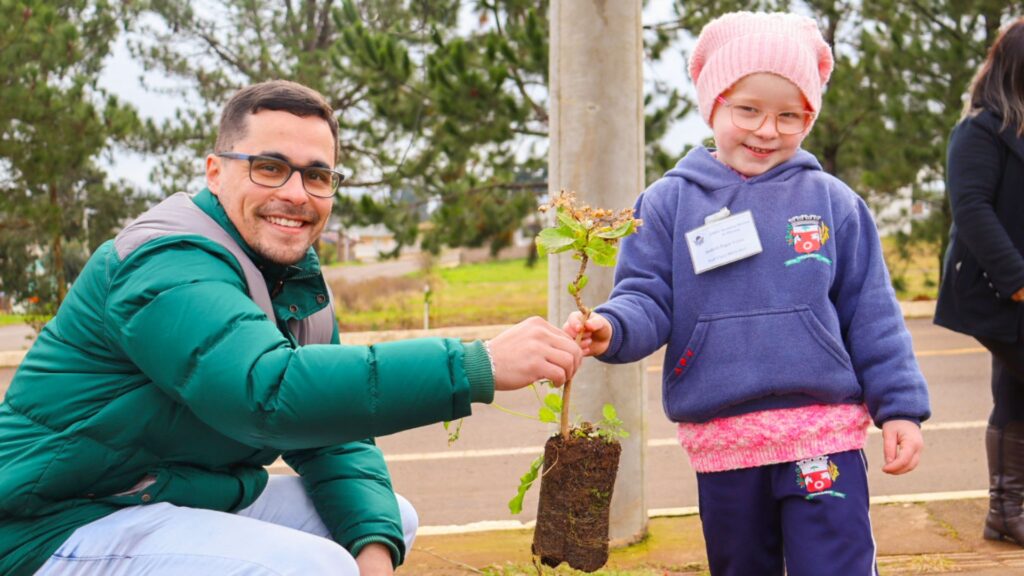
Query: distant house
(367, 243)
(897, 212)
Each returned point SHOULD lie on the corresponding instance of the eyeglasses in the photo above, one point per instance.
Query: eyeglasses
(750, 118)
(274, 173)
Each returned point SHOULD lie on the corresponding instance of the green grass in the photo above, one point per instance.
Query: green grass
(8, 319)
(506, 292)
(501, 292)
(346, 264)
(491, 293)
(915, 274)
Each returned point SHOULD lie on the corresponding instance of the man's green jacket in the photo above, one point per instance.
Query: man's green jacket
(160, 367)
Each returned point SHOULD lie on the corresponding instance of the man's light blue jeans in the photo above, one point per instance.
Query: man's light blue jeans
(280, 534)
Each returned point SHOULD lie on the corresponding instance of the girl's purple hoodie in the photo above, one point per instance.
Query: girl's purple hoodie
(812, 319)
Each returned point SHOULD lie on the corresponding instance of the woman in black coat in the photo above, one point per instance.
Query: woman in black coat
(982, 291)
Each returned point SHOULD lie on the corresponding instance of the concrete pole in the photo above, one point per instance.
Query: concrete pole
(597, 150)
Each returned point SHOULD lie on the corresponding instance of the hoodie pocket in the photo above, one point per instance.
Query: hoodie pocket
(736, 358)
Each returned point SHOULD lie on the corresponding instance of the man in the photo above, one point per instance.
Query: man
(197, 347)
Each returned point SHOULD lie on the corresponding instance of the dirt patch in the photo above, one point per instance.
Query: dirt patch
(575, 498)
(365, 295)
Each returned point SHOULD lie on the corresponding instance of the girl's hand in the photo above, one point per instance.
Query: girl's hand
(1018, 296)
(902, 443)
(596, 335)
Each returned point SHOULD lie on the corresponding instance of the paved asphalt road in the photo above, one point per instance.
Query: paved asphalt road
(472, 480)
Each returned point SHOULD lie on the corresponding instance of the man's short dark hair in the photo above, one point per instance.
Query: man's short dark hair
(281, 95)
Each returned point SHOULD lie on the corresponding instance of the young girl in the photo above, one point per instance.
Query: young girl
(764, 275)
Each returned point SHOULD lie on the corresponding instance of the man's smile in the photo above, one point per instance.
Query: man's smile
(286, 222)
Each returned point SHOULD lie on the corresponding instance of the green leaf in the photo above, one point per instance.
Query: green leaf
(583, 283)
(453, 435)
(601, 252)
(573, 290)
(545, 414)
(553, 401)
(609, 413)
(350, 12)
(619, 231)
(610, 428)
(515, 505)
(554, 240)
(578, 230)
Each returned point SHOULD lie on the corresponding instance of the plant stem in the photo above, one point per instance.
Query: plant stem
(513, 412)
(567, 389)
(579, 276)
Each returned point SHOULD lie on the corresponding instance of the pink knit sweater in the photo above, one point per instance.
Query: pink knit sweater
(774, 436)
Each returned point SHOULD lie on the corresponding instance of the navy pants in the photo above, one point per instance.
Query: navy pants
(804, 518)
(1007, 380)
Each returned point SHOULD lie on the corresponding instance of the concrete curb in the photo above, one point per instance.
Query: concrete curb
(918, 308)
(465, 333)
(11, 358)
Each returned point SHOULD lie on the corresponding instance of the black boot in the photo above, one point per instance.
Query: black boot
(1005, 448)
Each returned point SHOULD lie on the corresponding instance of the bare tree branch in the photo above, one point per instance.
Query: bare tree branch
(224, 55)
(935, 19)
(325, 25)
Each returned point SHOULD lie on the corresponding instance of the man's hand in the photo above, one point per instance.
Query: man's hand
(375, 560)
(533, 350)
(597, 334)
(902, 443)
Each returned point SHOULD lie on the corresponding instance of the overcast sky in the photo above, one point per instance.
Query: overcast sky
(122, 77)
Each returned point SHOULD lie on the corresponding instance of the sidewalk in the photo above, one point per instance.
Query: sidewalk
(942, 537)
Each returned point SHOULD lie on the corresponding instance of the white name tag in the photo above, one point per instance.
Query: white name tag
(723, 242)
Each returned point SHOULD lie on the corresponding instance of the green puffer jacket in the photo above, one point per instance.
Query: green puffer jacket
(159, 365)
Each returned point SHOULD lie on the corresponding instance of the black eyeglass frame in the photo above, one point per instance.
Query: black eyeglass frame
(336, 177)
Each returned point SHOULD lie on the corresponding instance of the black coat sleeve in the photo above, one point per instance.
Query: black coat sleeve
(976, 165)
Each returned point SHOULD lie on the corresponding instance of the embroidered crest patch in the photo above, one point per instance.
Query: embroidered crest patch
(807, 233)
(817, 475)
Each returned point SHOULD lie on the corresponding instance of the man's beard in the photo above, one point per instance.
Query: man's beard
(277, 253)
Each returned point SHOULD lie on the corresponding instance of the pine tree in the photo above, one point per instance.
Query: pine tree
(55, 202)
(449, 115)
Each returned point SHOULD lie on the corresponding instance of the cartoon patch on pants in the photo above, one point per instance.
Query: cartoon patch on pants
(817, 475)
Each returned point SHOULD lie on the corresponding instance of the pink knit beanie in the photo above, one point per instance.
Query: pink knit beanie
(742, 43)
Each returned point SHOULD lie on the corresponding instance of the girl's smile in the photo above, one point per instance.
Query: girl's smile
(752, 152)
